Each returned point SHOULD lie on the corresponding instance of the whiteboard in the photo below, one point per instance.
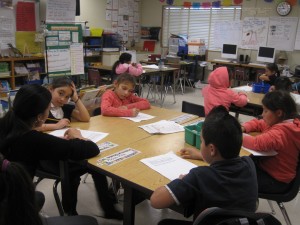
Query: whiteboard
(255, 31)
(297, 41)
(282, 33)
(227, 32)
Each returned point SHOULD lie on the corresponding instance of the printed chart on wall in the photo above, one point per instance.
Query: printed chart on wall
(64, 49)
(255, 31)
(282, 32)
(60, 10)
(7, 27)
(227, 32)
(297, 41)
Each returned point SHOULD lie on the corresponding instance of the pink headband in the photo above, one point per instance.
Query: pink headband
(5, 164)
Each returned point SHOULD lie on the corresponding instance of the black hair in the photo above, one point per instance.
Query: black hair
(224, 131)
(125, 77)
(17, 195)
(273, 68)
(124, 58)
(30, 101)
(283, 84)
(61, 82)
(281, 100)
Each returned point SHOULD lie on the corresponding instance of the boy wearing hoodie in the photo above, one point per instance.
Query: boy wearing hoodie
(219, 93)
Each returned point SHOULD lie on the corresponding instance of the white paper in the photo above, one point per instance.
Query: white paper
(77, 64)
(58, 60)
(60, 10)
(169, 165)
(162, 127)
(243, 88)
(181, 118)
(260, 153)
(151, 66)
(140, 117)
(91, 135)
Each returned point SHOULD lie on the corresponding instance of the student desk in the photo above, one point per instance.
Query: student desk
(253, 107)
(151, 72)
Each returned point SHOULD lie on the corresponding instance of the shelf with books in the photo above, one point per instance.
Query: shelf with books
(23, 64)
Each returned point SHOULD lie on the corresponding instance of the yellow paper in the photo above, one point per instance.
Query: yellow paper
(26, 44)
(227, 3)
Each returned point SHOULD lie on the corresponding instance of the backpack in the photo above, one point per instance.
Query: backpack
(218, 216)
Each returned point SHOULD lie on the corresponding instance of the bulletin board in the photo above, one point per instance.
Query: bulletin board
(64, 49)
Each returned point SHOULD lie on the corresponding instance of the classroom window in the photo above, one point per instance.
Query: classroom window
(198, 23)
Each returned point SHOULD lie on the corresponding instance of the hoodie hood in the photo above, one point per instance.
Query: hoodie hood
(219, 78)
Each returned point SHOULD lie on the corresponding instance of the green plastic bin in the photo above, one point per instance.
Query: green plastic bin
(192, 134)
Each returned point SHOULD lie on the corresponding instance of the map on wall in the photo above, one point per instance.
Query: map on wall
(255, 31)
(282, 33)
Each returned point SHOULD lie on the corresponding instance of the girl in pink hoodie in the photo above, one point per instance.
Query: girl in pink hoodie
(219, 93)
(280, 131)
(124, 65)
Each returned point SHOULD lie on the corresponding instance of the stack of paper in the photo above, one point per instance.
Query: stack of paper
(162, 127)
(139, 117)
(169, 165)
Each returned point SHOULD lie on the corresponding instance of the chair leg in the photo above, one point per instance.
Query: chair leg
(284, 213)
(271, 206)
(57, 199)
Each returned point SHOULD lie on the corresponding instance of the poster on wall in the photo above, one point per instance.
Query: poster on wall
(60, 11)
(227, 32)
(297, 41)
(255, 31)
(282, 33)
(7, 28)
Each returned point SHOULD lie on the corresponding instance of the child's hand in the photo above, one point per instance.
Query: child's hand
(75, 95)
(182, 176)
(62, 123)
(73, 133)
(190, 153)
(135, 112)
(123, 107)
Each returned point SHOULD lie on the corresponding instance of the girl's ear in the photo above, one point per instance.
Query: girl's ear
(279, 113)
(115, 83)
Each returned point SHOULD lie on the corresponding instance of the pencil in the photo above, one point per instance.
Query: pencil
(51, 119)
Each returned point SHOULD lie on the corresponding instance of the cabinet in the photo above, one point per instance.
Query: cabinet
(15, 79)
(92, 46)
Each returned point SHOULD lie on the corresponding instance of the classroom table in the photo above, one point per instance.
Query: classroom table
(253, 107)
(138, 180)
(152, 72)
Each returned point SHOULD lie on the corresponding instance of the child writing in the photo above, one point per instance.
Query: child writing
(62, 90)
(229, 181)
(21, 142)
(271, 73)
(280, 131)
(219, 93)
(121, 101)
(124, 65)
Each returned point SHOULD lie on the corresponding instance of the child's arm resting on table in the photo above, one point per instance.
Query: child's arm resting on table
(161, 198)
(139, 103)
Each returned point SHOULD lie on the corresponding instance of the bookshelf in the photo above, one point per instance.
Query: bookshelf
(14, 79)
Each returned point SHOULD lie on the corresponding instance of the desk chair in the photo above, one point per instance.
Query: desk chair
(289, 195)
(70, 220)
(219, 216)
(192, 108)
(62, 178)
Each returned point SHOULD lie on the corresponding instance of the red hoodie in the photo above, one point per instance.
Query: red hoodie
(218, 93)
(282, 137)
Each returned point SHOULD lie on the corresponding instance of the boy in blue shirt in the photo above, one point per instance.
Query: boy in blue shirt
(229, 182)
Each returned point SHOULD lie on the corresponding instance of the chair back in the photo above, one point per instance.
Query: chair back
(94, 77)
(192, 108)
(287, 196)
(219, 216)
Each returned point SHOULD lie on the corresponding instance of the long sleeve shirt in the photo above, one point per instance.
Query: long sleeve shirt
(128, 68)
(110, 104)
(284, 139)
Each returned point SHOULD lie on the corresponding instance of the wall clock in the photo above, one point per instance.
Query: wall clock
(283, 8)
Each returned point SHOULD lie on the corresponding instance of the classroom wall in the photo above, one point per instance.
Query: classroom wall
(148, 7)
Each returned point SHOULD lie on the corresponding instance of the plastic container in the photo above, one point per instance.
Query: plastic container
(192, 134)
(34, 82)
(260, 87)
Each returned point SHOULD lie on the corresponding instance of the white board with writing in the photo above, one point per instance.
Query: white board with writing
(227, 32)
(255, 31)
(7, 28)
(282, 33)
(60, 11)
(58, 60)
